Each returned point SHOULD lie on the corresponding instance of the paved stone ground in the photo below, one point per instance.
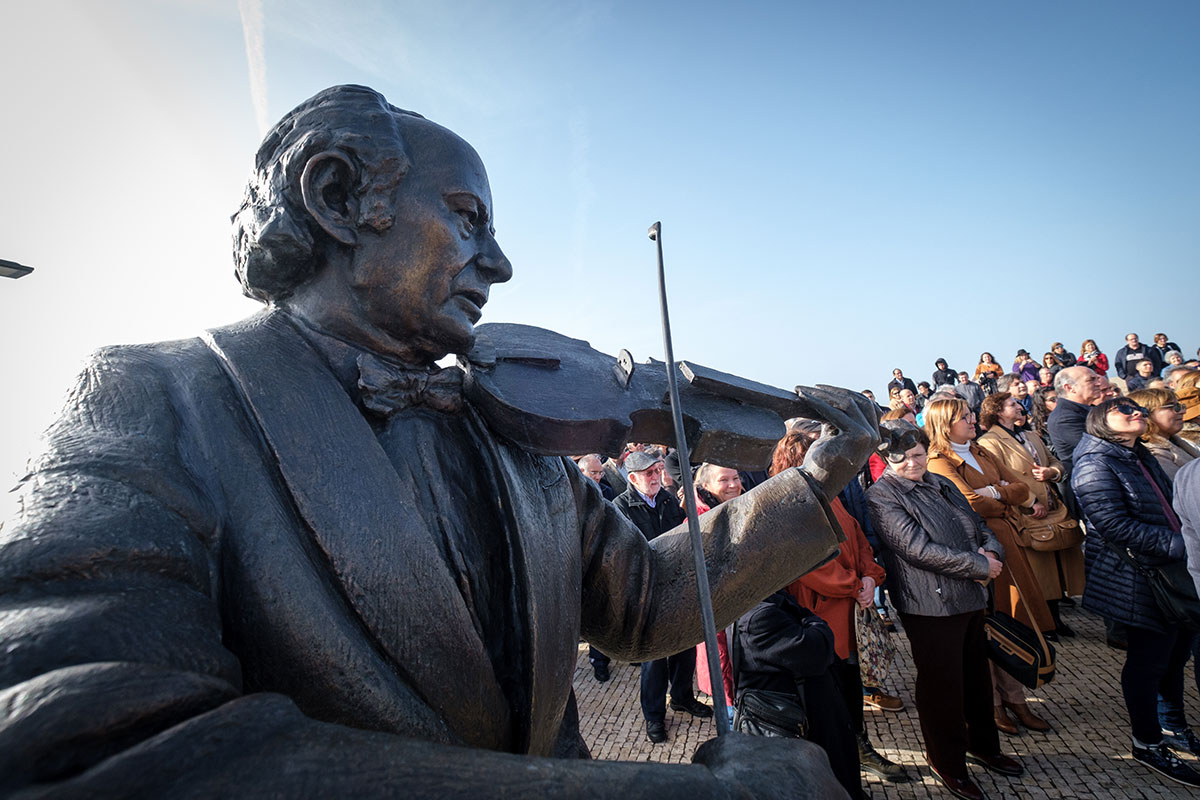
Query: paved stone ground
(1085, 755)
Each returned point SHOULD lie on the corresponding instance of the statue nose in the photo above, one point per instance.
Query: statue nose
(494, 265)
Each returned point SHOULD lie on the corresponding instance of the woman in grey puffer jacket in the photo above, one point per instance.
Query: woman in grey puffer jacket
(939, 555)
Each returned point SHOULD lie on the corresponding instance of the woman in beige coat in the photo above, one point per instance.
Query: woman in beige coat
(1049, 537)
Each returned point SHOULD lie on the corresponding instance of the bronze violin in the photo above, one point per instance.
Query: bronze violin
(556, 395)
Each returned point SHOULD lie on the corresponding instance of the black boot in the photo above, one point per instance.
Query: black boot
(1061, 628)
(876, 764)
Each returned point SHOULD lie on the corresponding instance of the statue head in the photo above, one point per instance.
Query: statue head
(277, 245)
(373, 223)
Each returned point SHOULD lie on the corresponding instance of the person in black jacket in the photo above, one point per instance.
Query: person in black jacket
(942, 374)
(782, 647)
(1077, 389)
(1164, 346)
(655, 511)
(1126, 498)
(1127, 358)
(900, 382)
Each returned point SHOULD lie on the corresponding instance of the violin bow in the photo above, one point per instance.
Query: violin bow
(720, 712)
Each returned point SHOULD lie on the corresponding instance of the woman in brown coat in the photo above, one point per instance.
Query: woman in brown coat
(1050, 538)
(998, 495)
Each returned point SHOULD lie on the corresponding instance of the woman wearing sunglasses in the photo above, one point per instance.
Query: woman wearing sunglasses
(1126, 499)
(1164, 421)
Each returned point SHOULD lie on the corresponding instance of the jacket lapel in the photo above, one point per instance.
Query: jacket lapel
(359, 510)
(1016, 455)
(538, 498)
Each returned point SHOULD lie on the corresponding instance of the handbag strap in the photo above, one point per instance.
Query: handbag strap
(1032, 622)
(1127, 555)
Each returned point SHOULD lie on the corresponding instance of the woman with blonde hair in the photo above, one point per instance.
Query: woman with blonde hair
(1164, 421)
(998, 495)
(1052, 543)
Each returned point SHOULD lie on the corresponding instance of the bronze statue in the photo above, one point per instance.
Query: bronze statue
(289, 558)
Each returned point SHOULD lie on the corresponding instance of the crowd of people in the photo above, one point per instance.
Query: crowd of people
(1011, 492)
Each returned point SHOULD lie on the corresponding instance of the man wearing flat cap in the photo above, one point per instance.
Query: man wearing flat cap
(655, 511)
(289, 558)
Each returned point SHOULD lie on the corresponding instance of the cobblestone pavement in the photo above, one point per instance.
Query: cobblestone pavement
(1085, 755)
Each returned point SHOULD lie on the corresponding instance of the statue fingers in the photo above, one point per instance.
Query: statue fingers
(824, 406)
(856, 406)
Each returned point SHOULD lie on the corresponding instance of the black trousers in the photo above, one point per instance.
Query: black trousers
(830, 726)
(596, 657)
(678, 670)
(849, 682)
(954, 689)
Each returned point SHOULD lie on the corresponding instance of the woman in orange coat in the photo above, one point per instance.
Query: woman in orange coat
(832, 591)
(998, 495)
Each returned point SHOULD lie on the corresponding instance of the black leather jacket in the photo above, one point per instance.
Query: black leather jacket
(930, 539)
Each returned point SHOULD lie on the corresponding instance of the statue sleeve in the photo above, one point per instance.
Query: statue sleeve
(639, 599)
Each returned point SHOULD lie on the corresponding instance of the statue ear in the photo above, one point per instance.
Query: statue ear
(327, 186)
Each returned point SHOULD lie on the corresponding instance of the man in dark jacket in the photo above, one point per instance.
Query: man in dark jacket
(654, 511)
(943, 375)
(898, 381)
(1127, 357)
(1078, 389)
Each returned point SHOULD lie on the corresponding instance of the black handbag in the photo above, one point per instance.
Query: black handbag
(761, 712)
(1018, 649)
(1173, 588)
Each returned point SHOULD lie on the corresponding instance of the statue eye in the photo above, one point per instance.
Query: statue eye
(470, 216)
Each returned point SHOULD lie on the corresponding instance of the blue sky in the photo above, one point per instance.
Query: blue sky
(843, 187)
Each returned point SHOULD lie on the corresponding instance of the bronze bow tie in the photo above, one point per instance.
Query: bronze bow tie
(386, 388)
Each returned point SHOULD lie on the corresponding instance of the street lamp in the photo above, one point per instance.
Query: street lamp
(11, 269)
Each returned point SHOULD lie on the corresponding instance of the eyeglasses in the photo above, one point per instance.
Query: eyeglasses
(899, 458)
(1172, 406)
(1128, 409)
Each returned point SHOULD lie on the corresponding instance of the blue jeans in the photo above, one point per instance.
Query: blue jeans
(1170, 715)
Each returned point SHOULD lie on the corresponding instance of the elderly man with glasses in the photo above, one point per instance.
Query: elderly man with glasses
(655, 511)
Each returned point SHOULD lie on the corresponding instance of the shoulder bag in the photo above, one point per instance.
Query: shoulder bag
(1018, 649)
(876, 649)
(1046, 536)
(1173, 588)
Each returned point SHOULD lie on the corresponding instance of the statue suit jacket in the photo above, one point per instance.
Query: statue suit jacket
(215, 585)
